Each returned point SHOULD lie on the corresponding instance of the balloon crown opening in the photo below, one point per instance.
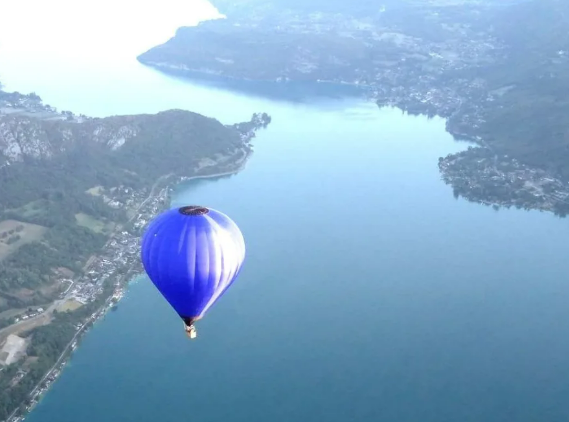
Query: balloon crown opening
(193, 210)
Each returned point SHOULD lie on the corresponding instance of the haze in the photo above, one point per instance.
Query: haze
(91, 29)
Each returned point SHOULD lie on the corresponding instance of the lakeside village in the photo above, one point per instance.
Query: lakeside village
(117, 263)
(480, 176)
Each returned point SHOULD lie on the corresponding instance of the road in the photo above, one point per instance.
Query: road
(148, 198)
(27, 324)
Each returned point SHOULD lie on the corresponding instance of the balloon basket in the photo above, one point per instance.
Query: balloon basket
(191, 332)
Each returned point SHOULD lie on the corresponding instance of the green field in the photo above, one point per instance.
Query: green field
(69, 305)
(30, 209)
(10, 230)
(95, 191)
(92, 223)
(12, 312)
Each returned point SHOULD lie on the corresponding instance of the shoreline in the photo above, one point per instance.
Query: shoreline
(212, 75)
(121, 282)
(241, 163)
(250, 84)
(461, 124)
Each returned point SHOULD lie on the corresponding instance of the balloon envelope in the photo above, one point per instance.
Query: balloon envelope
(192, 255)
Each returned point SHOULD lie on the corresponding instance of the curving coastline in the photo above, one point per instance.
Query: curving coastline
(154, 203)
(105, 276)
(465, 62)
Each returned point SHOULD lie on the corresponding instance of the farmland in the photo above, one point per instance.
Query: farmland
(69, 305)
(93, 223)
(95, 191)
(14, 234)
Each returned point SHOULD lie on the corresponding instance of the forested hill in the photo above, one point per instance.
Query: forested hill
(528, 86)
(57, 155)
(68, 182)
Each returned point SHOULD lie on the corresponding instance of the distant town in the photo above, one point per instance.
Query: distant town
(501, 181)
(453, 59)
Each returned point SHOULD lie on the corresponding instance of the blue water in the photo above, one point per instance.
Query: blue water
(369, 292)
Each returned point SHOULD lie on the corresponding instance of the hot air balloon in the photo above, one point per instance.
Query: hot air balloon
(192, 255)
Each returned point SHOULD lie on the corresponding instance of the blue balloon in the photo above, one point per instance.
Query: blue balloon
(192, 255)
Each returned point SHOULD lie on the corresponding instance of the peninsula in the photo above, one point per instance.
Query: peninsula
(494, 69)
(76, 194)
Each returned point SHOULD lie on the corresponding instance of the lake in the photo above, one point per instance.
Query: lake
(369, 292)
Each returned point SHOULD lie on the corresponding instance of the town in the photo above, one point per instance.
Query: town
(481, 176)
